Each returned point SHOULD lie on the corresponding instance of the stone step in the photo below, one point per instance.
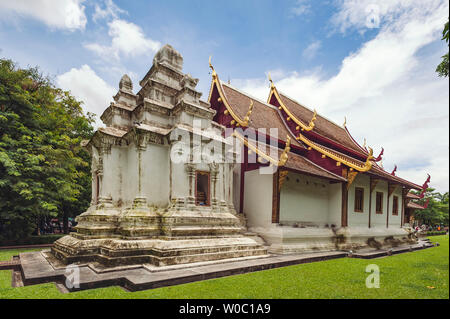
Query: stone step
(178, 251)
(165, 257)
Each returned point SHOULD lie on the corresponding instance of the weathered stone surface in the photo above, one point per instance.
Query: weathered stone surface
(144, 207)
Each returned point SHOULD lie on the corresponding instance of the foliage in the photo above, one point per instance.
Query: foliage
(43, 168)
(403, 276)
(437, 210)
(442, 68)
(436, 233)
(32, 240)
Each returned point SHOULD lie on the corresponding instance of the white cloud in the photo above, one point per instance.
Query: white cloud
(311, 50)
(127, 39)
(110, 10)
(363, 14)
(88, 87)
(388, 90)
(301, 7)
(61, 14)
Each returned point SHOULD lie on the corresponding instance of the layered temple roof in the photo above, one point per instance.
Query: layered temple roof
(323, 129)
(414, 205)
(314, 139)
(292, 161)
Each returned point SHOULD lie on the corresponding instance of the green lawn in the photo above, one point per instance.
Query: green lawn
(420, 274)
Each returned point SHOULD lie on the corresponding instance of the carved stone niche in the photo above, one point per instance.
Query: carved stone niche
(168, 55)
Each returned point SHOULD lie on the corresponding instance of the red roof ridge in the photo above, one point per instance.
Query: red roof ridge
(248, 95)
(300, 104)
(357, 150)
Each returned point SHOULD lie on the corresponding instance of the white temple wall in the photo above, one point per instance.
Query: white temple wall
(379, 220)
(395, 220)
(304, 199)
(335, 203)
(130, 182)
(114, 178)
(119, 120)
(185, 117)
(155, 181)
(258, 198)
(360, 219)
(180, 184)
(110, 187)
(154, 117)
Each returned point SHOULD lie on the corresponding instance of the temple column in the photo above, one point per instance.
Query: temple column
(104, 195)
(190, 200)
(141, 145)
(214, 171)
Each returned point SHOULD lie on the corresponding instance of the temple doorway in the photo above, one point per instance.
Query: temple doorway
(202, 188)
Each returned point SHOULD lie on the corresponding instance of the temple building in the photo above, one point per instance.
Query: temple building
(329, 188)
(179, 180)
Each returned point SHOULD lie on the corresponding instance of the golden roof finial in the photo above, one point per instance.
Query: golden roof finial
(370, 156)
(311, 123)
(270, 80)
(300, 124)
(284, 155)
(247, 116)
(211, 66)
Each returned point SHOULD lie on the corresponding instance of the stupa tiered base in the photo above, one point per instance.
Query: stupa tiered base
(141, 236)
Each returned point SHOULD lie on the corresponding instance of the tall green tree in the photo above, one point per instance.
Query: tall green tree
(437, 210)
(43, 169)
(442, 68)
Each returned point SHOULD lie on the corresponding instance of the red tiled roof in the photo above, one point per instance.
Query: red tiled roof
(303, 165)
(414, 205)
(300, 164)
(263, 115)
(323, 126)
(412, 195)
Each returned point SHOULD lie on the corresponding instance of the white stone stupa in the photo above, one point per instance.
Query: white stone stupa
(157, 197)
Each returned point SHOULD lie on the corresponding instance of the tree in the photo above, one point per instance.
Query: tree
(437, 210)
(442, 68)
(43, 168)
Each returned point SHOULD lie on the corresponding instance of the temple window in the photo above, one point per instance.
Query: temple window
(395, 205)
(202, 188)
(359, 199)
(379, 203)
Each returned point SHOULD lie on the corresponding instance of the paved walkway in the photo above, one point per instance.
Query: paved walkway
(36, 268)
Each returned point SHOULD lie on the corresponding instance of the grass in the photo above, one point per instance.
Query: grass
(419, 274)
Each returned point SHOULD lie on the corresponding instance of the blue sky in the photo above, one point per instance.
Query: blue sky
(371, 61)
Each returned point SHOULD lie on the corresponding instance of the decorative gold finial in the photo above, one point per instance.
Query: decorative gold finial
(284, 155)
(247, 116)
(311, 123)
(370, 156)
(270, 79)
(212, 68)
